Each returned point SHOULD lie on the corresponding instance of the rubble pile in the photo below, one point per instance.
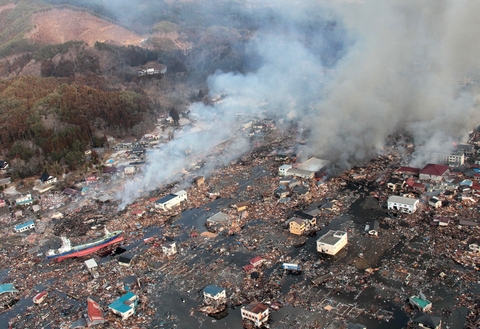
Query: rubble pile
(369, 280)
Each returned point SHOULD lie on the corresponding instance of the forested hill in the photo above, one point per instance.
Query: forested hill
(45, 120)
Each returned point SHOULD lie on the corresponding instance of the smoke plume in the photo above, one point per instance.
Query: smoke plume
(352, 73)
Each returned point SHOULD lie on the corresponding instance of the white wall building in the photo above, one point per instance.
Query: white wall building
(454, 159)
(332, 242)
(169, 249)
(400, 203)
(256, 312)
(171, 200)
(282, 171)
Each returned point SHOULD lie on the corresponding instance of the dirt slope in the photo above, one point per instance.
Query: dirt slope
(62, 25)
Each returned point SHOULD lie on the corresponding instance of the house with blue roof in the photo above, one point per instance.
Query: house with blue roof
(213, 293)
(24, 200)
(24, 226)
(7, 287)
(125, 305)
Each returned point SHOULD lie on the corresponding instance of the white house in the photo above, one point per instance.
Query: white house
(332, 242)
(400, 203)
(169, 249)
(171, 200)
(213, 293)
(256, 312)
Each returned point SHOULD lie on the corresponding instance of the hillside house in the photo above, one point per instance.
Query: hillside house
(256, 312)
(47, 179)
(405, 205)
(332, 242)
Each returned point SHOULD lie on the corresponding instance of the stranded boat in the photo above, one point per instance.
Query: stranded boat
(67, 251)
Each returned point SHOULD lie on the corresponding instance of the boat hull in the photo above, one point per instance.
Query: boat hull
(87, 251)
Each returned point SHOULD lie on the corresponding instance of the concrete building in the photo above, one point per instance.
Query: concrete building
(169, 249)
(399, 203)
(301, 225)
(171, 200)
(125, 305)
(213, 293)
(451, 159)
(306, 170)
(24, 226)
(256, 312)
(332, 242)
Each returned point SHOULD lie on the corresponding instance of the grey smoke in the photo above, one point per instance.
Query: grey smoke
(395, 67)
(399, 74)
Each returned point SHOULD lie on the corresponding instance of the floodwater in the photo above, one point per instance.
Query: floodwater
(174, 303)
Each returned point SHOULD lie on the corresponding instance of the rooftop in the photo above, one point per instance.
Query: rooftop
(7, 287)
(313, 164)
(402, 200)
(256, 307)
(434, 169)
(22, 225)
(332, 237)
(123, 304)
(166, 198)
(213, 290)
